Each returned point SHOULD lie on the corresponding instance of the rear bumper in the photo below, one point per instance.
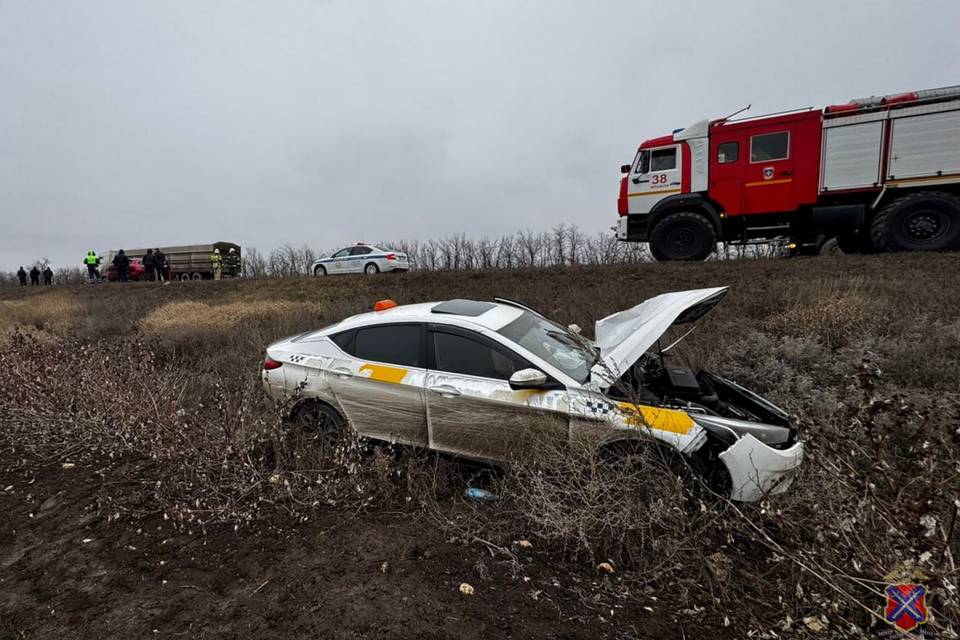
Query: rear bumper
(396, 265)
(757, 470)
(633, 227)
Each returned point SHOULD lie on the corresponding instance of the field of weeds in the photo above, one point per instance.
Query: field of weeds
(149, 490)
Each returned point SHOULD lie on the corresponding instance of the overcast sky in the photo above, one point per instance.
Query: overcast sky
(132, 123)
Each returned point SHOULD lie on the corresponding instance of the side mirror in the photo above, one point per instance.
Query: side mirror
(624, 168)
(528, 379)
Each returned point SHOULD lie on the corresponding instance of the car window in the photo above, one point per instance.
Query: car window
(553, 343)
(342, 253)
(663, 159)
(360, 251)
(728, 152)
(769, 146)
(394, 344)
(460, 354)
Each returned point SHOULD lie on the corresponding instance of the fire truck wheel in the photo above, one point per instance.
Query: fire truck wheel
(682, 236)
(924, 221)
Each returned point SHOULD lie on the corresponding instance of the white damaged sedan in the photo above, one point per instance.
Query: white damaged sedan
(483, 379)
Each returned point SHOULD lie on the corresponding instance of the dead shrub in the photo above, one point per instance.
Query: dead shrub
(49, 311)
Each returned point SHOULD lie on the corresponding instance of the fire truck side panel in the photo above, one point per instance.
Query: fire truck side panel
(727, 149)
(851, 156)
(925, 146)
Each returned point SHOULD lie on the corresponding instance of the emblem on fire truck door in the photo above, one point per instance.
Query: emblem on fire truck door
(767, 173)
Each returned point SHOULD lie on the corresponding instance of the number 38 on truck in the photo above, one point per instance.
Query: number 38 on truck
(875, 174)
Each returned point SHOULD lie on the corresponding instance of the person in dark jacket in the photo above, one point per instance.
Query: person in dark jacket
(22, 275)
(149, 266)
(122, 263)
(160, 262)
(47, 276)
(34, 276)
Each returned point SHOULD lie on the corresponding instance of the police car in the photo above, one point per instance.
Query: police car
(486, 380)
(361, 258)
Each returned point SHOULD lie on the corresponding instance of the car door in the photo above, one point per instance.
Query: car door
(358, 259)
(727, 160)
(768, 174)
(471, 409)
(656, 175)
(379, 383)
(338, 262)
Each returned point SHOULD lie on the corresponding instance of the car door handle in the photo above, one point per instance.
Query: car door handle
(342, 373)
(446, 391)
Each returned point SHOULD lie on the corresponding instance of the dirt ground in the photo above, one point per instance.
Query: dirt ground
(65, 572)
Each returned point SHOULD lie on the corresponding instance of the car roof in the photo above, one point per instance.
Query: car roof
(491, 315)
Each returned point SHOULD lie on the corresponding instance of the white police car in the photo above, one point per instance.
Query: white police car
(484, 380)
(361, 258)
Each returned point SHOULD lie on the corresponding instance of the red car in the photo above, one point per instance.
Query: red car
(135, 272)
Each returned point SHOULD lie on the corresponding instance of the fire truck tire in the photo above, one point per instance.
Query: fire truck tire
(684, 235)
(923, 221)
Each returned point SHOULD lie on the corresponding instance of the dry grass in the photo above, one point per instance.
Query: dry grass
(53, 310)
(200, 317)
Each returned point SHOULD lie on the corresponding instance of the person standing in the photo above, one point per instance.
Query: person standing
(122, 263)
(22, 275)
(232, 263)
(47, 276)
(160, 261)
(91, 262)
(216, 261)
(149, 266)
(34, 276)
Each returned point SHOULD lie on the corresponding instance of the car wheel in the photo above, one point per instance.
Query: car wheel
(319, 270)
(684, 235)
(320, 420)
(925, 221)
(371, 269)
(831, 247)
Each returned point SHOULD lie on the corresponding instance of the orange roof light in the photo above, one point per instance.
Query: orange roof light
(383, 305)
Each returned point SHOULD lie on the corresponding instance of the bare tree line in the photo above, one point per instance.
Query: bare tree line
(564, 245)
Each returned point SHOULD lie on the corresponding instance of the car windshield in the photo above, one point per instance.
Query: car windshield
(553, 343)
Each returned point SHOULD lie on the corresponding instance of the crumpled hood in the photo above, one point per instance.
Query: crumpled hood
(625, 336)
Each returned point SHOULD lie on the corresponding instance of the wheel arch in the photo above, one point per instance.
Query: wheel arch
(692, 202)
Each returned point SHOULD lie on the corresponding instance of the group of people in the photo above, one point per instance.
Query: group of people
(35, 274)
(230, 263)
(155, 267)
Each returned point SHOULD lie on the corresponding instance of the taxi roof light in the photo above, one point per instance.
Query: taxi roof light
(383, 305)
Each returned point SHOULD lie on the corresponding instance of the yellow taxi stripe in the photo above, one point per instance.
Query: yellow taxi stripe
(763, 182)
(380, 373)
(654, 193)
(670, 420)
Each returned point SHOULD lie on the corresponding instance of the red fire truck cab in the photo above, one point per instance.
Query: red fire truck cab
(879, 174)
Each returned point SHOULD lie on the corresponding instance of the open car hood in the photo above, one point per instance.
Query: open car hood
(625, 336)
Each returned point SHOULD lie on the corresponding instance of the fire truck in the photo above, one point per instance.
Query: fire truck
(877, 174)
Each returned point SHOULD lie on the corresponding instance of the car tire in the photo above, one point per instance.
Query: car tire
(830, 247)
(684, 235)
(371, 269)
(319, 270)
(321, 421)
(923, 221)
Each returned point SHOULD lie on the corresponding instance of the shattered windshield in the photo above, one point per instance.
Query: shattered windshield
(553, 343)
